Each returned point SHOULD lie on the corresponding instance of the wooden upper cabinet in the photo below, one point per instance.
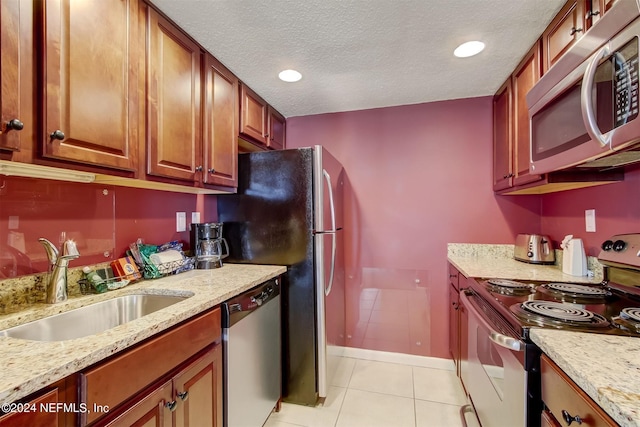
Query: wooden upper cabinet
(10, 123)
(563, 32)
(173, 101)
(502, 165)
(277, 130)
(221, 125)
(524, 78)
(253, 115)
(90, 87)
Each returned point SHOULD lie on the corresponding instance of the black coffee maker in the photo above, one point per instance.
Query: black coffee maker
(207, 245)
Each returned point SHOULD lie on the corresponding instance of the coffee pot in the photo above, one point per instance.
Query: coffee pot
(207, 244)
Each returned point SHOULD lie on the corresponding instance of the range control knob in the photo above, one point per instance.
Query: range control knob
(530, 254)
(619, 245)
(607, 245)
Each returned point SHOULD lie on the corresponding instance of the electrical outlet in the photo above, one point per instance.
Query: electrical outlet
(590, 220)
(181, 221)
(195, 217)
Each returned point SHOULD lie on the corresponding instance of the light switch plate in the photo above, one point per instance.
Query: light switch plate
(590, 220)
(181, 221)
(195, 217)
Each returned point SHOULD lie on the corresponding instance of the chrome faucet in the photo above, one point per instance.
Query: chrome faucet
(57, 281)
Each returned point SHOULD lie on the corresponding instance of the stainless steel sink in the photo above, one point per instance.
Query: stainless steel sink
(93, 318)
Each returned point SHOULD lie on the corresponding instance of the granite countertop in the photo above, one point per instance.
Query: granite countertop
(606, 367)
(28, 366)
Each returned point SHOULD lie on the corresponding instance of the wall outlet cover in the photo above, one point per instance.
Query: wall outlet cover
(195, 217)
(590, 220)
(181, 221)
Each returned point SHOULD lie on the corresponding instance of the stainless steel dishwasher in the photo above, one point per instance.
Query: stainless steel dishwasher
(251, 337)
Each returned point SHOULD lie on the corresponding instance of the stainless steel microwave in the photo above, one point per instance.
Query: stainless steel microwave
(584, 111)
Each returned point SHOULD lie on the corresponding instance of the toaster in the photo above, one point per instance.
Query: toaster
(534, 249)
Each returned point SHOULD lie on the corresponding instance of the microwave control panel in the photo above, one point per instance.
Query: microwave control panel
(625, 63)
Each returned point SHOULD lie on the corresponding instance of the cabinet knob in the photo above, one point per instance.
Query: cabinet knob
(13, 124)
(266, 135)
(183, 395)
(57, 134)
(575, 30)
(569, 419)
(171, 405)
(198, 168)
(211, 171)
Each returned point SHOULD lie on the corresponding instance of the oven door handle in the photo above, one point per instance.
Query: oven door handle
(502, 340)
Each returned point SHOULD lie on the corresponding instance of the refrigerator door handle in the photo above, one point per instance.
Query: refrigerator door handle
(327, 177)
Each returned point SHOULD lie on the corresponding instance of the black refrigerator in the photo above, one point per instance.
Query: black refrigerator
(289, 211)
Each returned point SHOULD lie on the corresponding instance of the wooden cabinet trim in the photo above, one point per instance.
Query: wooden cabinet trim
(113, 381)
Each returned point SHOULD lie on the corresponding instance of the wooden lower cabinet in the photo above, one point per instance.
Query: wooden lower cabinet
(35, 417)
(564, 398)
(150, 410)
(192, 397)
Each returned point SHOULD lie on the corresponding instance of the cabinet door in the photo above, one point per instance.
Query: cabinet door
(563, 32)
(149, 410)
(277, 128)
(502, 166)
(198, 391)
(10, 124)
(253, 115)
(221, 125)
(90, 82)
(524, 78)
(173, 101)
(35, 418)
(454, 326)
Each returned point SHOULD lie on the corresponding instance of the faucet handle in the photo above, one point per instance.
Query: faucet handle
(52, 251)
(70, 250)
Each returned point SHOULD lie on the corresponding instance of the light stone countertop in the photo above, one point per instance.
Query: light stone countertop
(606, 367)
(28, 366)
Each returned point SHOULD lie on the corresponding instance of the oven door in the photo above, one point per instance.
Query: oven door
(496, 379)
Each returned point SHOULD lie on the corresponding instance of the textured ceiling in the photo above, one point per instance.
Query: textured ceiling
(361, 54)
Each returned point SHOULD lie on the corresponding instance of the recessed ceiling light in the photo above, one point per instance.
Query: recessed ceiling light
(468, 49)
(290, 76)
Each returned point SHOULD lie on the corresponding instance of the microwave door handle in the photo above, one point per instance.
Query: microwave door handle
(586, 99)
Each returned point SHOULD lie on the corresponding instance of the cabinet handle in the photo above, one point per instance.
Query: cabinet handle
(569, 419)
(266, 135)
(451, 276)
(13, 124)
(575, 30)
(455, 305)
(211, 171)
(171, 405)
(183, 395)
(57, 134)
(198, 168)
(591, 13)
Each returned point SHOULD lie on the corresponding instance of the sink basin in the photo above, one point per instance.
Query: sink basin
(92, 319)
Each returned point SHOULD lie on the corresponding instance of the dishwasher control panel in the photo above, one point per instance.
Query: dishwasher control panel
(241, 305)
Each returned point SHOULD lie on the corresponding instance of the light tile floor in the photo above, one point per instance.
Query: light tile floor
(367, 393)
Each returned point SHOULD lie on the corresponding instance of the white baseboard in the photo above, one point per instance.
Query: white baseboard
(400, 358)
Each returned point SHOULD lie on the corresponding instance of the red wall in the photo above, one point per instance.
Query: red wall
(617, 209)
(419, 176)
(100, 218)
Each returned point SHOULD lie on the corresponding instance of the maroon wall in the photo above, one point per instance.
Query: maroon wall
(617, 209)
(419, 176)
(100, 218)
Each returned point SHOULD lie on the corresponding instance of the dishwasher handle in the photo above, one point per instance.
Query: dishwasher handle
(240, 306)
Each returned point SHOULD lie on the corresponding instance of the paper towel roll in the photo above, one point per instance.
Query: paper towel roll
(171, 258)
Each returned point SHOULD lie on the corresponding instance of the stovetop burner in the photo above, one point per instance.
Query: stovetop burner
(631, 313)
(509, 287)
(575, 293)
(549, 313)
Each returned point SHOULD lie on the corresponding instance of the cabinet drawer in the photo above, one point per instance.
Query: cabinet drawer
(114, 381)
(560, 394)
